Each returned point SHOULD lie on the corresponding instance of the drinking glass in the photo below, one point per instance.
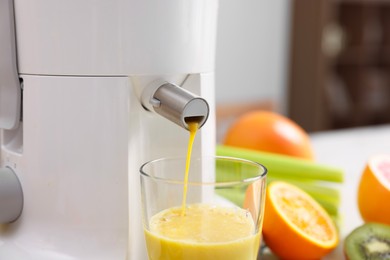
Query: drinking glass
(221, 216)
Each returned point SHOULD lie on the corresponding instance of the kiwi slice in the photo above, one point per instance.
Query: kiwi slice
(371, 241)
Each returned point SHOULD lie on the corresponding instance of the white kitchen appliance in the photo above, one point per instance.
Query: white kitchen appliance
(86, 88)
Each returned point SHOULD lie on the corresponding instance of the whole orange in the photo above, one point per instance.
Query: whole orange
(374, 190)
(269, 132)
(295, 226)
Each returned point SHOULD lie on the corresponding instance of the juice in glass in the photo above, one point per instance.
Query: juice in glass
(216, 223)
(205, 232)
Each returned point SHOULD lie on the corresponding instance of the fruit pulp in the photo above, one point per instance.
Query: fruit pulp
(205, 232)
(302, 214)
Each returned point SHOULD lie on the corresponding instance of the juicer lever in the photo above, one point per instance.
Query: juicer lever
(176, 104)
(11, 196)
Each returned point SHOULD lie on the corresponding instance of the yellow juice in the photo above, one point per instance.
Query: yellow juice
(205, 232)
(193, 128)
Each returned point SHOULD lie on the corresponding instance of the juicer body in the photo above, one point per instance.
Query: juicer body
(83, 132)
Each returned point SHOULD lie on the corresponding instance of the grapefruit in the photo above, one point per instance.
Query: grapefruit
(374, 190)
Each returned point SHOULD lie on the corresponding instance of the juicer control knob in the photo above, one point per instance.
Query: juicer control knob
(176, 104)
(11, 196)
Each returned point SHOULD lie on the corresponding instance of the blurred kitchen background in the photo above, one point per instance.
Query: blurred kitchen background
(325, 63)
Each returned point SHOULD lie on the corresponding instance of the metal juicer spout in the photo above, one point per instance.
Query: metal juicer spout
(176, 104)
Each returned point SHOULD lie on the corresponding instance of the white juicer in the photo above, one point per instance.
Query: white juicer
(86, 88)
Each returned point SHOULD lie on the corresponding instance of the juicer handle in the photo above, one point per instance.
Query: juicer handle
(10, 89)
(175, 103)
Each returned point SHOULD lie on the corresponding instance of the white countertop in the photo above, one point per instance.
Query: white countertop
(349, 150)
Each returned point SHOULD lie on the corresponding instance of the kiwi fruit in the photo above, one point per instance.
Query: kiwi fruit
(371, 241)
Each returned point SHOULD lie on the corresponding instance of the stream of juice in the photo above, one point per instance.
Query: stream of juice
(193, 128)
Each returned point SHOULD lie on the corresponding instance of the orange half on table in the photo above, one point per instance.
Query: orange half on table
(374, 190)
(295, 225)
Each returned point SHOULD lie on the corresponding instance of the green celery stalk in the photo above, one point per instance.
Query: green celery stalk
(329, 207)
(281, 166)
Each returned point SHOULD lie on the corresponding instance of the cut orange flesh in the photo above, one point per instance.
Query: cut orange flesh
(295, 225)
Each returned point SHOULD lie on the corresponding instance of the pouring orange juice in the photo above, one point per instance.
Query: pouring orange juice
(194, 216)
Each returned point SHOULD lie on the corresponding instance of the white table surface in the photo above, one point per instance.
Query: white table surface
(349, 150)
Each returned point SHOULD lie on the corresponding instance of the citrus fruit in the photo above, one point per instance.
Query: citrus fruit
(295, 225)
(374, 190)
(269, 132)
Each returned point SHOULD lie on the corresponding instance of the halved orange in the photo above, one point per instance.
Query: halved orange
(374, 190)
(295, 225)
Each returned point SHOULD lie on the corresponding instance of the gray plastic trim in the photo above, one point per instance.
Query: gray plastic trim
(11, 196)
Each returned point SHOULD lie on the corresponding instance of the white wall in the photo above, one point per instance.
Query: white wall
(252, 50)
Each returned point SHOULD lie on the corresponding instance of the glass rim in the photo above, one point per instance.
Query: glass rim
(261, 167)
